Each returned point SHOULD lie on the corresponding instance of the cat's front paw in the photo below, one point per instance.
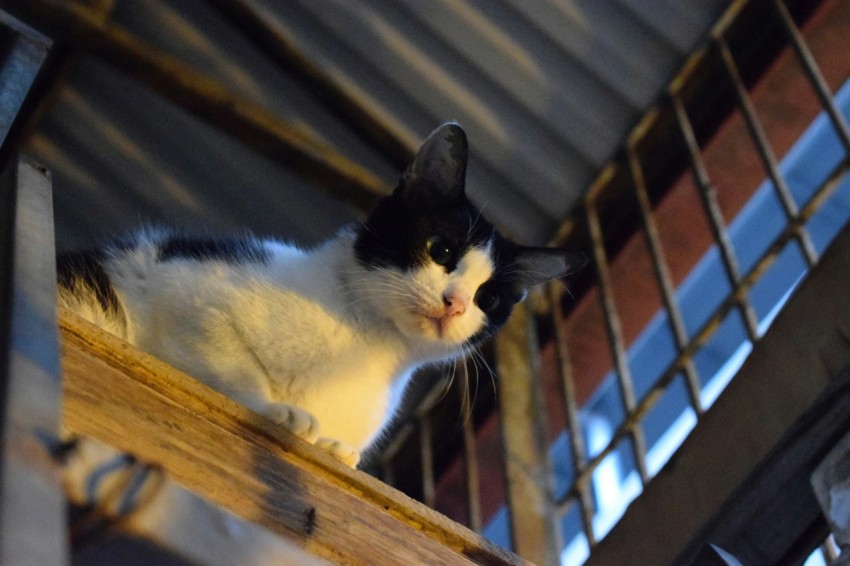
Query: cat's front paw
(340, 450)
(294, 419)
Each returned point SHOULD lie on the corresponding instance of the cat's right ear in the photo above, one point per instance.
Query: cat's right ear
(439, 168)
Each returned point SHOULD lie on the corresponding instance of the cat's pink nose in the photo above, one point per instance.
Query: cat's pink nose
(455, 303)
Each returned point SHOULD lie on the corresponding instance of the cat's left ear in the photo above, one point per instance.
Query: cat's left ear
(533, 266)
(439, 168)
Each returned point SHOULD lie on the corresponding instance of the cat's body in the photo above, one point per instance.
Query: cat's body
(321, 341)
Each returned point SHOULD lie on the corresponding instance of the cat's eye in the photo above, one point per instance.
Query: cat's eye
(487, 299)
(441, 250)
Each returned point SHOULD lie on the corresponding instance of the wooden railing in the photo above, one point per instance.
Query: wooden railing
(247, 465)
(212, 455)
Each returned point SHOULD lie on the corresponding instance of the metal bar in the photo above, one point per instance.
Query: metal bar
(32, 513)
(426, 451)
(664, 279)
(212, 101)
(470, 455)
(711, 325)
(256, 27)
(534, 523)
(22, 57)
(830, 550)
(577, 445)
(765, 152)
(708, 195)
(401, 436)
(812, 70)
(615, 337)
(387, 472)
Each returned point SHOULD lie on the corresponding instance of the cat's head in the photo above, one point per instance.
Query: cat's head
(438, 269)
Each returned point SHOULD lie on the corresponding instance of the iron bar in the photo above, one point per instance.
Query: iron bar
(812, 70)
(708, 195)
(577, 444)
(23, 52)
(534, 523)
(711, 325)
(830, 550)
(771, 164)
(387, 472)
(470, 454)
(664, 279)
(615, 337)
(426, 452)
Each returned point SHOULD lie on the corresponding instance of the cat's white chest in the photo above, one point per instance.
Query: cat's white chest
(287, 332)
(317, 357)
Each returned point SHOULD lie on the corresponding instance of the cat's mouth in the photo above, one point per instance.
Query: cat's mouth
(433, 324)
(436, 325)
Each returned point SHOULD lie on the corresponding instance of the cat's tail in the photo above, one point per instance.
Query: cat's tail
(84, 287)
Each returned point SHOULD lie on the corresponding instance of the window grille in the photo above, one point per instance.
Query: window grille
(810, 216)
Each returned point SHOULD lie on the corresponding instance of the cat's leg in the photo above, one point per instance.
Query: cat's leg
(294, 419)
(342, 451)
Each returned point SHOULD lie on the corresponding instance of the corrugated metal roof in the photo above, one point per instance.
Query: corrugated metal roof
(546, 90)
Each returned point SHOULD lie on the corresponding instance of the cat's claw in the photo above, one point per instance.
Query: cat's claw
(340, 450)
(294, 419)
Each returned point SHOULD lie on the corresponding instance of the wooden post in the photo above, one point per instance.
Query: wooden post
(530, 490)
(32, 507)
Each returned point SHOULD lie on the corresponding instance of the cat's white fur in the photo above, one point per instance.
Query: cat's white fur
(313, 340)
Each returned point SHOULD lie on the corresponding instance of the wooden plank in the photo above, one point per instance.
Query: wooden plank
(212, 101)
(32, 514)
(246, 464)
(799, 359)
(529, 473)
(172, 524)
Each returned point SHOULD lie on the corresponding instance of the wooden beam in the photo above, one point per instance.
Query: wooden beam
(210, 100)
(246, 464)
(32, 507)
(785, 406)
(534, 528)
(172, 524)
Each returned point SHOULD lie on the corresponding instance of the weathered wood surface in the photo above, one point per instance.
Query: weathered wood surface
(534, 527)
(800, 359)
(165, 523)
(32, 507)
(244, 463)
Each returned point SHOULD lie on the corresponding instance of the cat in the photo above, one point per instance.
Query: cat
(321, 341)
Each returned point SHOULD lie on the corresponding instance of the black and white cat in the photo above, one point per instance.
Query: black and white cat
(321, 341)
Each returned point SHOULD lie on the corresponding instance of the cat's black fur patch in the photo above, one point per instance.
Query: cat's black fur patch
(84, 269)
(230, 250)
(396, 233)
